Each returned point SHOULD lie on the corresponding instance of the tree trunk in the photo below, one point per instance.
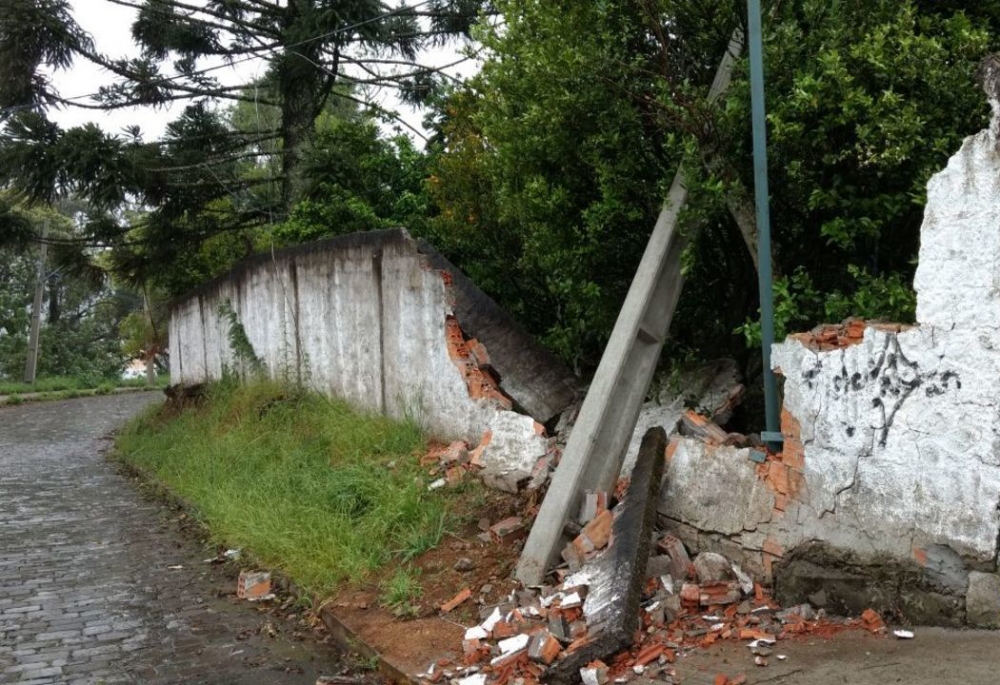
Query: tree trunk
(301, 81)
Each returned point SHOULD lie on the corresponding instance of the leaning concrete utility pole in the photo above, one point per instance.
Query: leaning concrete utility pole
(31, 365)
(596, 448)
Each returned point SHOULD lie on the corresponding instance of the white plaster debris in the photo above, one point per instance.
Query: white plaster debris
(744, 579)
(590, 676)
(513, 644)
(491, 620)
(438, 484)
(476, 679)
(903, 634)
(547, 601)
(761, 642)
(571, 600)
(476, 633)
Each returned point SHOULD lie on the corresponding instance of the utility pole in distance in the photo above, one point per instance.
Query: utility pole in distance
(31, 365)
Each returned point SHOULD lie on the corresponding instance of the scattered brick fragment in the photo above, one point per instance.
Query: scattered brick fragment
(696, 425)
(253, 585)
(544, 647)
(508, 530)
(719, 593)
(872, 621)
(595, 535)
(456, 600)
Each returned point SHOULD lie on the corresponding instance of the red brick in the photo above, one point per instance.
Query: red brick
(456, 600)
(508, 530)
(253, 585)
(544, 648)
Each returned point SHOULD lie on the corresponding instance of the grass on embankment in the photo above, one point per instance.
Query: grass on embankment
(68, 387)
(306, 484)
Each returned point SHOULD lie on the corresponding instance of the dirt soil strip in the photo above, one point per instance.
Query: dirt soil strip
(350, 641)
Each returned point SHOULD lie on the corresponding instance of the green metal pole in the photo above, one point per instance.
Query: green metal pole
(773, 432)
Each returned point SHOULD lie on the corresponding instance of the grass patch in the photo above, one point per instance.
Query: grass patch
(306, 484)
(401, 592)
(70, 384)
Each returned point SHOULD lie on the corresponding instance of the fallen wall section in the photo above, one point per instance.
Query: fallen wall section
(370, 319)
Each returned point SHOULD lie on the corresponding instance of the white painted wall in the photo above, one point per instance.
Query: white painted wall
(360, 318)
(900, 432)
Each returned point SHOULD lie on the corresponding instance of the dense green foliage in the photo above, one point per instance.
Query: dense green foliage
(557, 154)
(198, 183)
(546, 171)
(82, 309)
(305, 484)
(866, 100)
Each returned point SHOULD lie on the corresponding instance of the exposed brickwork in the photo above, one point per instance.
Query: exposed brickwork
(468, 357)
(87, 594)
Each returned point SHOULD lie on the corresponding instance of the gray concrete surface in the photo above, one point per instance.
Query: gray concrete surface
(936, 656)
(87, 592)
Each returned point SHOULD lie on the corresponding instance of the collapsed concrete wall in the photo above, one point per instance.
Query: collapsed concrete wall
(887, 490)
(370, 318)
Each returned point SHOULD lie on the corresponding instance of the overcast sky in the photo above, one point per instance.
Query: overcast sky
(110, 26)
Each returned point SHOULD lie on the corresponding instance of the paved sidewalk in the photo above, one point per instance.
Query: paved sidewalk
(87, 592)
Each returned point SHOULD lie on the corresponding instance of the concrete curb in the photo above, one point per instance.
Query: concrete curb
(349, 641)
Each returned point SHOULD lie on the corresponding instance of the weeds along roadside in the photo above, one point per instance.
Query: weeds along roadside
(312, 488)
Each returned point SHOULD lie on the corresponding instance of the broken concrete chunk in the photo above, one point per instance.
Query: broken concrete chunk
(571, 555)
(982, 601)
(710, 567)
(659, 565)
(464, 565)
(593, 504)
(595, 673)
(681, 566)
(559, 628)
(800, 612)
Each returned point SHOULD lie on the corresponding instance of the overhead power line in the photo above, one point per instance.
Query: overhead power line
(259, 53)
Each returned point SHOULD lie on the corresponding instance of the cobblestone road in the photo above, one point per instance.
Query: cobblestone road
(87, 592)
